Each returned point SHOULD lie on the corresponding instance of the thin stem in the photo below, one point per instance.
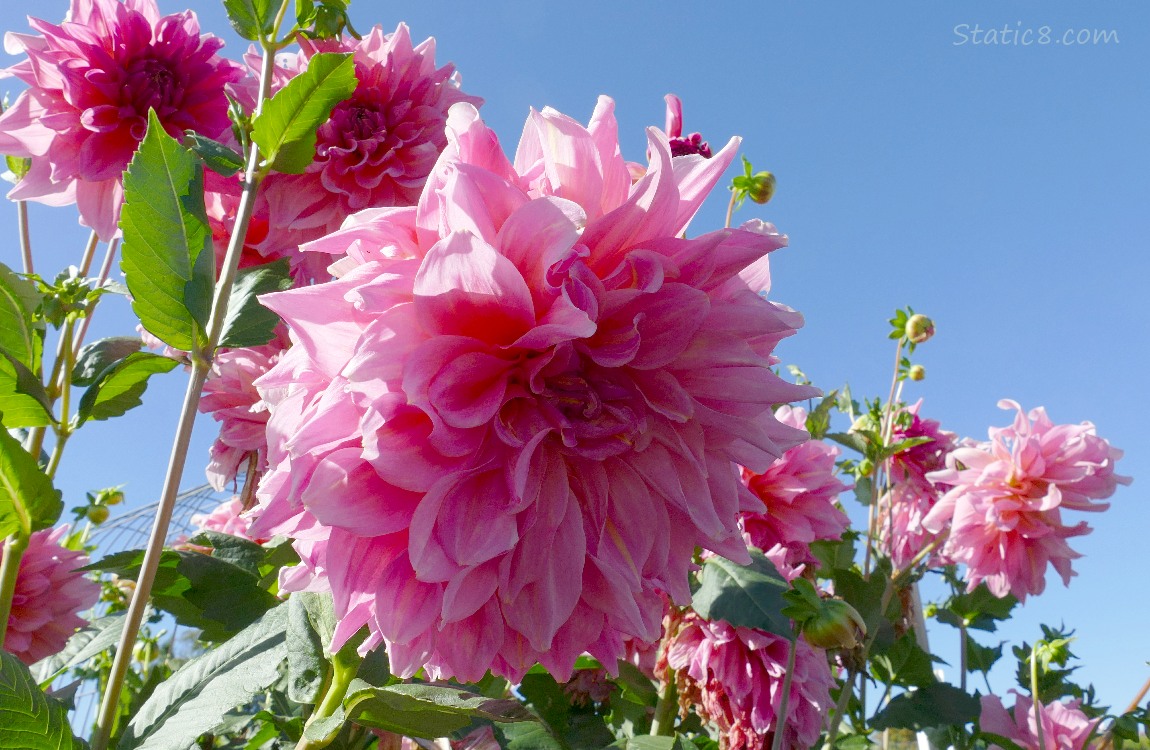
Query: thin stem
(840, 708)
(663, 724)
(25, 236)
(89, 253)
(14, 547)
(201, 366)
(882, 471)
(1035, 705)
(962, 655)
(730, 209)
(344, 665)
(781, 720)
(63, 428)
(105, 271)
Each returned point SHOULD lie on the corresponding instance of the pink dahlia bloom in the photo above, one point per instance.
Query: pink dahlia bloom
(227, 518)
(798, 494)
(1064, 726)
(523, 404)
(230, 396)
(734, 677)
(1004, 508)
(901, 510)
(92, 80)
(49, 596)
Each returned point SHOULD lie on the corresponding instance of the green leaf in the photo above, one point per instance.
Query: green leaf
(121, 385)
(747, 596)
(20, 334)
(935, 705)
(252, 19)
(194, 699)
(526, 736)
(852, 440)
(23, 399)
(285, 129)
(981, 658)
(201, 591)
(865, 595)
(28, 502)
(217, 157)
(653, 743)
(243, 553)
(819, 420)
(307, 662)
(248, 323)
(94, 638)
(903, 663)
(420, 710)
(31, 720)
(167, 250)
(97, 356)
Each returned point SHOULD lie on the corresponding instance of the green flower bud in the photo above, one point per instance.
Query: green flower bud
(97, 514)
(866, 467)
(762, 187)
(112, 497)
(919, 328)
(837, 625)
(916, 372)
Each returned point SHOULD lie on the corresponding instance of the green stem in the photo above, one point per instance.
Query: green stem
(14, 547)
(781, 720)
(962, 655)
(1035, 705)
(663, 724)
(201, 365)
(731, 209)
(105, 271)
(344, 666)
(89, 253)
(25, 235)
(880, 471)
(840, 709)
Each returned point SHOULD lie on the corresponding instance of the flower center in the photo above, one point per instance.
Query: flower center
(152, 84)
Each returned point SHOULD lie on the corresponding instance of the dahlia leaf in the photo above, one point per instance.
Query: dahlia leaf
(216, 156)
(249, 323)
(23, 400)
(421, 710)
(981, 658)
(678, 742)
(28, 502)
(194, 699)
(575, 727)
(749, 596)
(20, 333)
(903, 663)
(97, 356)
(251, 19)
(310, 625)
(120, 386)
(167, 250)
(527, 735)
(934, 705)
(201, 591)
(31, 719)
(285, 130)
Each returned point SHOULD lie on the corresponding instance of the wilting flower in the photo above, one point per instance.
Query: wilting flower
(901, 510)
(1064, 726)
(797, 493)
(48, 597)
(230, 396)
(734, 678)
(1004, 508)
(521, 407)
(92, 81)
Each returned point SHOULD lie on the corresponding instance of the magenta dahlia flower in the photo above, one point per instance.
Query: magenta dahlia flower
(48, 598)
(734, 678)
(1064, 726)
(798, 493)
(1004, 508)
(523, 404)
(92, 80)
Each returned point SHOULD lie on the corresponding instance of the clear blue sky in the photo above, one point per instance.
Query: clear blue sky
(1000, 188)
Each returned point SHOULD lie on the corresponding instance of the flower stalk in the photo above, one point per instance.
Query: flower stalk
(663, 724)
(781, 724)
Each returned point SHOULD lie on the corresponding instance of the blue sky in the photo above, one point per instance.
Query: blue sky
(997, 186)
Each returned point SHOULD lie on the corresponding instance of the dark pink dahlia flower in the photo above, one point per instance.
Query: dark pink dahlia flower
(48, 598)
(1004, 510)
(523, 404)
(92, 80)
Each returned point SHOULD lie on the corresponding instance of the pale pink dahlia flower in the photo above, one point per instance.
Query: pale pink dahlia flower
(1064, 726)
(227, 518)
(798, 494)
(1004, 508)
(734, 678)
(230, 396)
(521, 407)
(49, 595)
(902, 509)
(92, 80)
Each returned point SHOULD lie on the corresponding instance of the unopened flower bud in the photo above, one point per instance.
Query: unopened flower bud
(762, 187)
(916, 372)
(97, 514)
(919, 328)
(837, 625)
(866, 467)
(112, 497)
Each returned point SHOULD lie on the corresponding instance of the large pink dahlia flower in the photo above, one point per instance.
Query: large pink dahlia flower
(798, 494)
(1004, 508)
(92, 81)
(522, 406)
(1064, 726)
(734, 678)
(49, 595)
